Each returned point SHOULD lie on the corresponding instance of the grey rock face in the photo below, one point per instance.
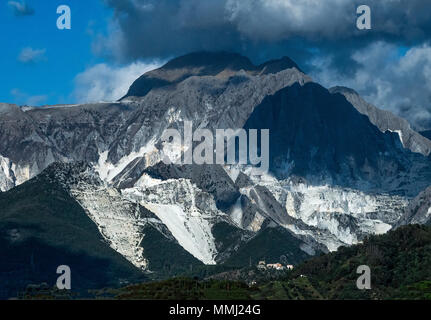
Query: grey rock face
(24, 144)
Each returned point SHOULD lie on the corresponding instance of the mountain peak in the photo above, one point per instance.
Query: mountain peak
(210, 61)
(277, 65)
(204, 63)
(343, 90)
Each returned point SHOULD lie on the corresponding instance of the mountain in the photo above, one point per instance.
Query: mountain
(115, 134)
(338, 169)
(333, 144)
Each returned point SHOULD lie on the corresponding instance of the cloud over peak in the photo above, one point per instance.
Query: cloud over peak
(108, 83)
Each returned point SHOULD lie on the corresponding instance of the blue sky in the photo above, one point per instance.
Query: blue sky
(59, 54)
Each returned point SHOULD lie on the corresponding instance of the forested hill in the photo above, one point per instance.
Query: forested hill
(400, 263)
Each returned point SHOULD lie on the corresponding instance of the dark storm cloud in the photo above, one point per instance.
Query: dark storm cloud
(166, 28)
(162, 28)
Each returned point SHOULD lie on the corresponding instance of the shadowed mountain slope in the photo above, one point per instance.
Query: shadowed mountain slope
(322, 137)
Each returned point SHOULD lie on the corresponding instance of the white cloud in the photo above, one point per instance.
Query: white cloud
(30, 55)
(103, 82)
(21, 8)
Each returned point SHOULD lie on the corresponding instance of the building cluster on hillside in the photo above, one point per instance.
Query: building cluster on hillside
(277, 266)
